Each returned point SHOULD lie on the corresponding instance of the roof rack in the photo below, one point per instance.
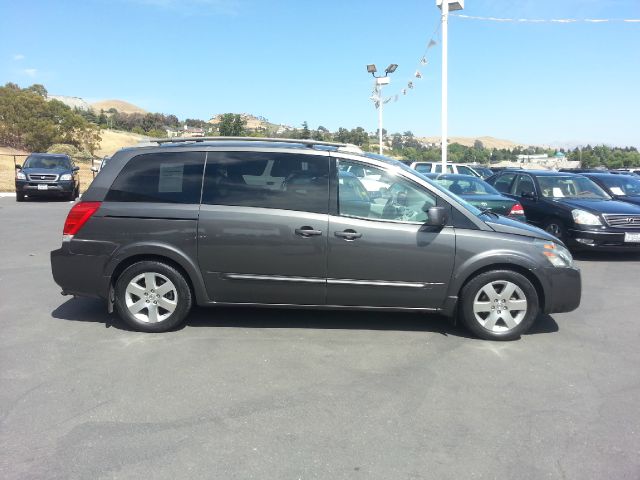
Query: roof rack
(306, 142)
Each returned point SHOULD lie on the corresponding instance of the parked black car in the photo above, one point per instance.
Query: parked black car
(621, 187)
(47, 174)
(284, 223)
(480, 194)
(573, 208)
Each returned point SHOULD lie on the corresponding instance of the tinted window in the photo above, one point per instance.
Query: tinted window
(438, 168)
(423, 167)
(525, 185)
(576, 187)
(174, 177)
(622, 184)
(503, 182)
(267, 180)
(396, 198)
(466, 171)
(467, 186)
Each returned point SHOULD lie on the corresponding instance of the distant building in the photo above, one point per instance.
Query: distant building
(185, 131)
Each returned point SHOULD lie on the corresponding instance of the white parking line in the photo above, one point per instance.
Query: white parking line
(7, 194)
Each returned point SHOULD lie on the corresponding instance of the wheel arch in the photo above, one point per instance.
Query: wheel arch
(159, 253)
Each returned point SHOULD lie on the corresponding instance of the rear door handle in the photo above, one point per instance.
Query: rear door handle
(307, 231)
(348, 234)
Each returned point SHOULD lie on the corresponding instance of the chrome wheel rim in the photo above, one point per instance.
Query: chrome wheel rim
(500, 306)
(151, 297)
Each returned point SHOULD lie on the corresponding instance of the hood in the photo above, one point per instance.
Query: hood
(600, 206)
(516, 227)
(634, 199)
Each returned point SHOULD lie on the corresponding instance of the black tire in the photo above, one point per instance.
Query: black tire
(556, 227)
(19, 197)
(182, 291)
(473, 289)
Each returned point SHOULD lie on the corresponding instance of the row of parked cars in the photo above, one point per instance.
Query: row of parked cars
(586, 209)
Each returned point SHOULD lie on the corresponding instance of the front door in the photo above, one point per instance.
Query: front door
(258, 244)
(380, 252)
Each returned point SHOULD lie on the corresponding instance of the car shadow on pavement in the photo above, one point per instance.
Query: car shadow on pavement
(92, 310)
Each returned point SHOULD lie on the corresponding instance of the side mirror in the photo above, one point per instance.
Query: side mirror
(75, 169)
(18, 166)
(529, 196)
(437, 217)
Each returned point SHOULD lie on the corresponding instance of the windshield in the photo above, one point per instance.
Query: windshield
(46, 161)
(466, 185)
(475, 211)
(622, 185)
(570, 187)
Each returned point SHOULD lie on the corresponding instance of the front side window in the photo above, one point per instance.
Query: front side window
(525, 186)
(166, 177)
(395, 198)
(267, 180)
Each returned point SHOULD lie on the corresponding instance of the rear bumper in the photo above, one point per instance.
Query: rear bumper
(78, 274)
(563, 291)
(601, 240)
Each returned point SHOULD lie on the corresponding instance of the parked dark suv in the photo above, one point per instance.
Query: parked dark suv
(47, 175)
(284, 223)
(572, 208)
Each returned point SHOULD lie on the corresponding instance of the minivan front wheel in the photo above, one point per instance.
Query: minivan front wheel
(499, 305)
(152, 296)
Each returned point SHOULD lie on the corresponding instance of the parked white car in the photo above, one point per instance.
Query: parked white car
(436, 167)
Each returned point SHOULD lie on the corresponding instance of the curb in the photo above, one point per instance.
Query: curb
(7, 194)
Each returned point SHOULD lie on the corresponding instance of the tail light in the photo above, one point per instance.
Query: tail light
(77, 217)
(517, 210)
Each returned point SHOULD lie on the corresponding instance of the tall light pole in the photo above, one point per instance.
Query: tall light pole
(380, 81)
(446, 6)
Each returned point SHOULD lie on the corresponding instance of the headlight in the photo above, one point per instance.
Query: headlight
(66, 176)
(585, 218)
(21, 176)
(557, 255)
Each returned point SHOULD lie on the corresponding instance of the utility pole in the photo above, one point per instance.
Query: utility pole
(446, 6)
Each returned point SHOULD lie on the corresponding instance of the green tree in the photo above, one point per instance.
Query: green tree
(305, 133)
(231, 125)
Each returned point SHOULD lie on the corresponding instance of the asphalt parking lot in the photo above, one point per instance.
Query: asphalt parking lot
(286, 394)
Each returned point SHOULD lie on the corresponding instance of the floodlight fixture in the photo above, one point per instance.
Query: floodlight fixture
(371, 69)
(391, 68)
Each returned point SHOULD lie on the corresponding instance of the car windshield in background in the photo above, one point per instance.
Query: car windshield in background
(623, 185)
(49, 162)
(570, 187)
(467, 186)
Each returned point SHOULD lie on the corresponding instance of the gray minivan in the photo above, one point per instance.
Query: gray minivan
(280, 223)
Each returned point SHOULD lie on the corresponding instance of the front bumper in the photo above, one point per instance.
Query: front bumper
(60, 187)
(602, 240)
(564, 289)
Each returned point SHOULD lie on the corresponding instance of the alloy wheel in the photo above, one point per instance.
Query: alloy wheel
(500, 306)
(151, 297)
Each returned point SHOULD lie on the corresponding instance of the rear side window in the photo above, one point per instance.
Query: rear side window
(466, 171)
(503, 182)
(267, 180)
(172, 177)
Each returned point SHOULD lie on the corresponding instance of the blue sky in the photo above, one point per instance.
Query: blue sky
(296, 60)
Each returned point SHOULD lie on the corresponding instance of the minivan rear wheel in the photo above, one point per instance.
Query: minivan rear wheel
(152, 296)
(499, 305)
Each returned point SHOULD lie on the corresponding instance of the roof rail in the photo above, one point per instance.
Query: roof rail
(306, 142)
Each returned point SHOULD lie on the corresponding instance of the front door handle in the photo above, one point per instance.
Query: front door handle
(348, 234)
(307, 231)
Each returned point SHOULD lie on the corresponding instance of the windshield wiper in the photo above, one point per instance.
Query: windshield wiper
(488, 211)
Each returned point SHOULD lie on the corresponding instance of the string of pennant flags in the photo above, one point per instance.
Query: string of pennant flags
(548, 20)
(424, 59)
(417, 75)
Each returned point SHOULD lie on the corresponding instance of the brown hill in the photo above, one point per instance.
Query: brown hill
(120, 105)
(488, 142)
